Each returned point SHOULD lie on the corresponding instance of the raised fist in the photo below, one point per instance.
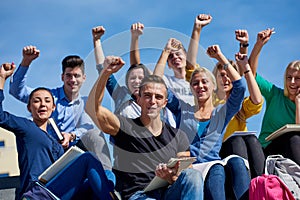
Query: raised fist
(29, 54)
(112, 64)
(137, 29)
(97, 32)
(202, 20)
(242, 36)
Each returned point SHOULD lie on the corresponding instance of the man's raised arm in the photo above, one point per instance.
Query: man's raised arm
(107, 121)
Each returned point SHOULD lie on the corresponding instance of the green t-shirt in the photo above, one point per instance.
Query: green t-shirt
(280, 110)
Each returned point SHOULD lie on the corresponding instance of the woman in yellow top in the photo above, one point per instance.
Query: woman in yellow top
(244, 145)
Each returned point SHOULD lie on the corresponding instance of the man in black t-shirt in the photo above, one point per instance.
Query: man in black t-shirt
(143, 144)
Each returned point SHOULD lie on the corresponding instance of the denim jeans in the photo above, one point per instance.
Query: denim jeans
(84, 176)
(189, 185)
(231, 180)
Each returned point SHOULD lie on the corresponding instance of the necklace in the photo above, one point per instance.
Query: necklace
(202, 115)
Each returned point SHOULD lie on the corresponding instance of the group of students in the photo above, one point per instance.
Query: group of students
(157, 117)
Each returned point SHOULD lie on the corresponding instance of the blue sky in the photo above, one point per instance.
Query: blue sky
(60, 28)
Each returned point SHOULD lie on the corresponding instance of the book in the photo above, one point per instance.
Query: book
(241, 133)
(205, 167)
(285, 129)
(55, 128)
(60, 164)
(158, 182)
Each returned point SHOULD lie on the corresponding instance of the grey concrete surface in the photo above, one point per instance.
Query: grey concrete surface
(7, 194)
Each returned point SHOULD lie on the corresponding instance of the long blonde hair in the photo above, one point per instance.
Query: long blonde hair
(205, 71)
(292, 65)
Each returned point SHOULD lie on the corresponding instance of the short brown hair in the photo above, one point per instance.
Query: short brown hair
(72, 61)
(152, 79)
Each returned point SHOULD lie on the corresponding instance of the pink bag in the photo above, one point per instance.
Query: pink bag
(269, 187)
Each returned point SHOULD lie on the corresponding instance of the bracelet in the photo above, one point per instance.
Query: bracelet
(225, 66)
(247, 71)
(244, 45)
(72, 137)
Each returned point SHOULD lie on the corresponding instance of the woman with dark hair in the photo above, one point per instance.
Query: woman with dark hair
(125, 96)
(37, 150)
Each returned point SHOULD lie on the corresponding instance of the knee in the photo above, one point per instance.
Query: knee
(252, 140)
(91, 134)
(192, 177)
(237, 142)
(111, 178)
(236, 165)
(86, 156)
(216, 172)
(237, 139)
(217, 169)
(192, 174)
(235, 162)
(295, 139)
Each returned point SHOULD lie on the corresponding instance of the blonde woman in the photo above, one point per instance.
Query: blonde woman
(282, 105)
(205, 125)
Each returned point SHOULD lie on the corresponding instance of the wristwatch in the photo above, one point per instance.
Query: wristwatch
(72, 137)
(244, 45)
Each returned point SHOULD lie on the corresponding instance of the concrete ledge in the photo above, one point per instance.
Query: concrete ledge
(7, 194)
(8, 187)
(9, 182)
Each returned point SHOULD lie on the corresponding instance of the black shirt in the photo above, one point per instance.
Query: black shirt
(137, 153)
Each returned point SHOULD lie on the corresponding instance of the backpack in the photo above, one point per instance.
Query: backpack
(287, 170)
(269, 187)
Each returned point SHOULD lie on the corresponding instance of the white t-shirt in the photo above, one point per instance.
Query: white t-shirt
(180, 88)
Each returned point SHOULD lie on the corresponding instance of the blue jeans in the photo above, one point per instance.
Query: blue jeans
(189, 185)
(234, 175)
(84, 176)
